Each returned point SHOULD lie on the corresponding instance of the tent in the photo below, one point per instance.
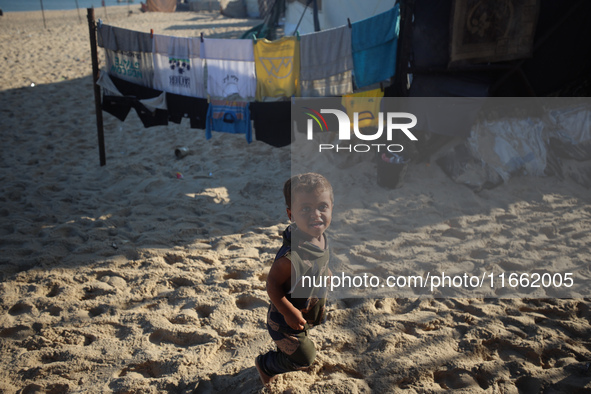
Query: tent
(159, 6)
(557, 55)
(315, 15)
(514, 48)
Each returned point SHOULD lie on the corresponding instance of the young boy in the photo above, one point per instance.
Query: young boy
(296, 305)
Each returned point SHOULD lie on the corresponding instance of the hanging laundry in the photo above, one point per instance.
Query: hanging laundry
(230, 69)
(178, 66)
(366, 104)
(118, 106)
(194, 108)
(128, 54)
(272, 122)
(277, 68)
(121, 96)
(326, 63)
(114, 102)
(374, 41)
(229, 117)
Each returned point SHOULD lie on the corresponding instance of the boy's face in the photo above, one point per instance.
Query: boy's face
(312, 212)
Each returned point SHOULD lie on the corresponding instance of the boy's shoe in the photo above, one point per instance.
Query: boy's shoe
(266, 379)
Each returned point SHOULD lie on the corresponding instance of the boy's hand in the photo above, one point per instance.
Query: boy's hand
(295, 320)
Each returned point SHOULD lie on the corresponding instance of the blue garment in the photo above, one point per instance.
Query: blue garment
(374, 42)
(228, 117)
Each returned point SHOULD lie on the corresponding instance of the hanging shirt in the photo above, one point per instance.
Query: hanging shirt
(120, 96)
(374, 41)
(128, 54)
(230, 69)
(228, 117)
(326, 63)
(367, 104)
(272, 122)
(278, 68)
(193, 108)
(178, 66)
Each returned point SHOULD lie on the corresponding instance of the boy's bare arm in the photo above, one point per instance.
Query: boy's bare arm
(279, 276)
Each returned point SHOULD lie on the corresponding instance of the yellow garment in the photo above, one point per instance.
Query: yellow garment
(367, 104)
(277, 66)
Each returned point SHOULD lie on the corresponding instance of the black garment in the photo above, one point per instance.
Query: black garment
(272, 122)
(187, 107)
(117, 106)
(132, 93)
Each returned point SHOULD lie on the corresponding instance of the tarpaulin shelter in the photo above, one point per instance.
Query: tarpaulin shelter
(308, 16)
(509, 48)
(159, 6)
(490, 48)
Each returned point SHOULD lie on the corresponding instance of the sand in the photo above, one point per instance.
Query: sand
(126, 279)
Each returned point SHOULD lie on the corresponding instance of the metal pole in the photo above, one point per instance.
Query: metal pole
(43, 13)
(316, 21)
(97, 89)
(78, 9)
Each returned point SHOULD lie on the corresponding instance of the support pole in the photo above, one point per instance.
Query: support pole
(403, 55)
(78, 9)
(316, 21)
(97, 89)
(43, 14)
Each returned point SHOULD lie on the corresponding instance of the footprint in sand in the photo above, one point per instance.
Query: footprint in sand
(249, 302)
(18, 332)
(204, 311)
(20, 308)
(181, 282)
(172, 258)
(54, 291)
(182, 339)
(455, 379)
(148, 369)
(99, 310)
(97, 289)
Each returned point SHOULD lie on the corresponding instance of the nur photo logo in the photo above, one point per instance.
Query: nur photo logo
(389, 123)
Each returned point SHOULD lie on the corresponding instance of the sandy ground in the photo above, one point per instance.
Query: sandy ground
(126, 279)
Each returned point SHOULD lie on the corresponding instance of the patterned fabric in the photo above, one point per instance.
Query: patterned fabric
(178, 66)
(128, 54)
(229, 117)
(367, 104)
(278, 68)
(230, 69)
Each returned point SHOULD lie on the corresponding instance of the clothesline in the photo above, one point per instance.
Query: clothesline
(223, 84)
(328, 63)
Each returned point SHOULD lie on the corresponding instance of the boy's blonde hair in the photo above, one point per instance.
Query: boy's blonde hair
(308, 183)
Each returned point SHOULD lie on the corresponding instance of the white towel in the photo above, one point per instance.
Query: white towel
(230, 69)
(178, 66)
